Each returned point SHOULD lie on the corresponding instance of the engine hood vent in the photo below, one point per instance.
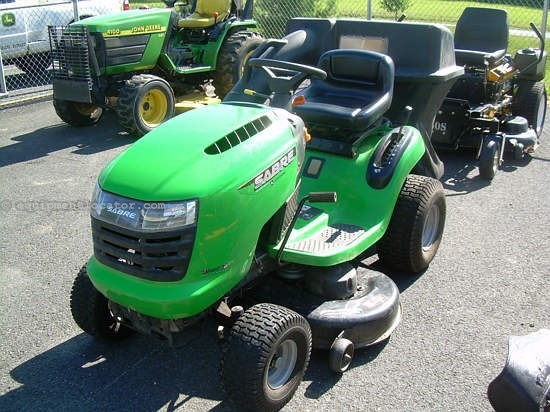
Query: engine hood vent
(238, 136)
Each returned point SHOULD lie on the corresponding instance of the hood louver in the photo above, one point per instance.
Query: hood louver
(238, 136)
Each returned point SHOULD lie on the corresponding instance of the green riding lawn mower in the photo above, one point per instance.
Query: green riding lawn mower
(320, 157)
(499, 104)
(145, 64)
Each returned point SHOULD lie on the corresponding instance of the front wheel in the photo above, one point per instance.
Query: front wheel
(77, 114)
(489, 159)
(266, 356)
(145, 102)
(234, 53)
(90, 310)
(416, 226)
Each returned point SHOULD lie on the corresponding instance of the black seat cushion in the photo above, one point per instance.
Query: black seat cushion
(481, 34)
(357, 91)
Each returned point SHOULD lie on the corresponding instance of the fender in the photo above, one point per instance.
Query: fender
(387, 155)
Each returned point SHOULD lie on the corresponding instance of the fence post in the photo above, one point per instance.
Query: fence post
(3, 90)
(544, 19)
(75, 10)
(369, 9)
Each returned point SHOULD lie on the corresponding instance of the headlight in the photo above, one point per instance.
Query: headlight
(142, 216)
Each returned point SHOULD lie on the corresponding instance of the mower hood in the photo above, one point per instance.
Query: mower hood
(200, 152)
(132, 22)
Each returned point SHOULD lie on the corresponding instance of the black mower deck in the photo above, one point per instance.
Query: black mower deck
(366, 318)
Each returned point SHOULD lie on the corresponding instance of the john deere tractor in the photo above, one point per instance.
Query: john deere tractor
(141, 62)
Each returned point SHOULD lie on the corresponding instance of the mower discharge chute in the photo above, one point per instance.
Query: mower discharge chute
(265, 224)
(146, 64)
(500, 103)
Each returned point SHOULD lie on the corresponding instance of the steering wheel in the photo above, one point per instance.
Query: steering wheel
(287, 76)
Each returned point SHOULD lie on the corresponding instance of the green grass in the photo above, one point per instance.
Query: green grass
(445, 11)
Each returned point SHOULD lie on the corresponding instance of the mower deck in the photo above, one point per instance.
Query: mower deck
(366, 318)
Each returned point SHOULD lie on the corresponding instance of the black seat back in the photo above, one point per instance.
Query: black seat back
(481, 33)
(356, 93)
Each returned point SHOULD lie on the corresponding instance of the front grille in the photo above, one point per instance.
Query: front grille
(158, 256)
(70, 53)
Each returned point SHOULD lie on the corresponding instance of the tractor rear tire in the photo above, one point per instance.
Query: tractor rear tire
(91, 312)
(234, 53)
(144, 103)
(77, 114)
(266, 355)
(416, 226)
(530, 101)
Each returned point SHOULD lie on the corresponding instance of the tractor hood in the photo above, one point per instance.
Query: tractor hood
(125, 23)
(203, 151)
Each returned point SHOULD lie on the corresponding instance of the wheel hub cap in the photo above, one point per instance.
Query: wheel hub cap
(282, 364)
(431, 227)
(153, 108)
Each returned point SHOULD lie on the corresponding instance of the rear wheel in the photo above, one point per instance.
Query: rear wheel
(234, 53)
(144, 103)
(77, 114)
(530, 102)
(416, 226)
(489, 159)
(266, 356)
(91, 312)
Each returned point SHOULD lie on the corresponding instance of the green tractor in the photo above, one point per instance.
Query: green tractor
(147, 63)
(265, 226)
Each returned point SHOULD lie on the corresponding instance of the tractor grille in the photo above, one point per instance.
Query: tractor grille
(70, 53)
(158, 256)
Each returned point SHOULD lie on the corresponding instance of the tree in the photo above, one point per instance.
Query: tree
(273, 15)
(395, 6)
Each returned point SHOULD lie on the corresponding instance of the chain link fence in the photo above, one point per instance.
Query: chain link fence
(25, 69)
(24, 45)
(272, 15)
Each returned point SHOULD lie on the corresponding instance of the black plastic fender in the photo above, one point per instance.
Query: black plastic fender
(386, 156)
(524, 383)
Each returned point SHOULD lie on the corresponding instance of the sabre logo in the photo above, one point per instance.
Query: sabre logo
(122, 212)
(268, 174)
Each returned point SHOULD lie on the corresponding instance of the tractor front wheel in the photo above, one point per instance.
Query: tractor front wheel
(266, 356)
(77, 114)
(416, 226)
(530, 102)
(91, 312)
(145, 101)
(234, 53)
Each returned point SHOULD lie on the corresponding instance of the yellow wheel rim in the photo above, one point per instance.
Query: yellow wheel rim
(153, 107)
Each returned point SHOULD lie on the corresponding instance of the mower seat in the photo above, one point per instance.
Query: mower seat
(481, 35)
(356, 93)
(204, 14)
